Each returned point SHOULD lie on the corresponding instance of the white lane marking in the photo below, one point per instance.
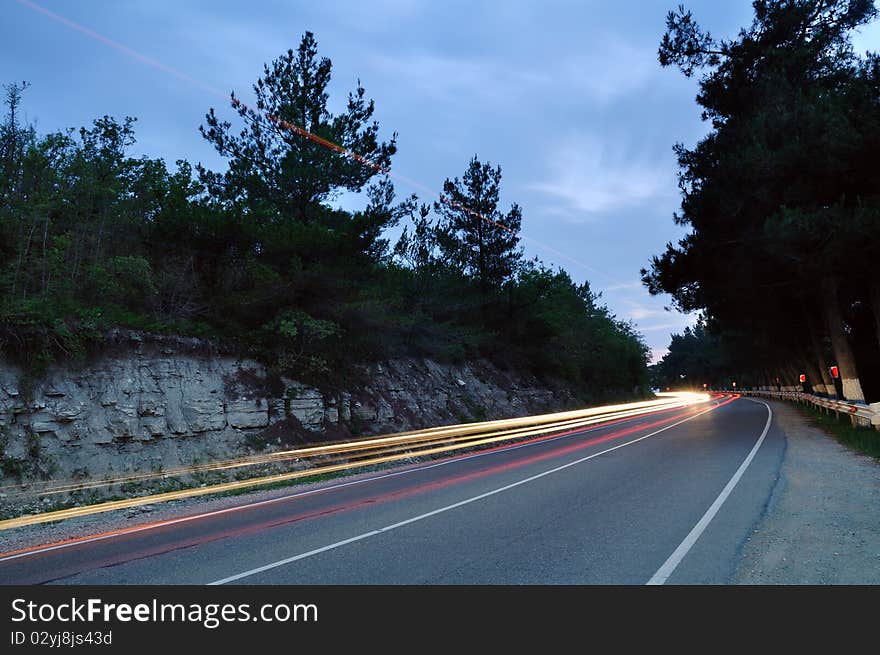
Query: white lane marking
(663, 573)
(340, 485)
(441, 510)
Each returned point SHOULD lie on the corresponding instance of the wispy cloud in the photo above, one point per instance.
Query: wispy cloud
(608, 70)
(625, 286)
(662, 326)
(638, 310)
(444, 77)
(675, 322)
(586, 177)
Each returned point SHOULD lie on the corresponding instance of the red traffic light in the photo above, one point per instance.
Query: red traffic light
(803, 378)
(835, 373)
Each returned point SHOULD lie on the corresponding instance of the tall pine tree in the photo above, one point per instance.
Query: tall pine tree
(474, 236)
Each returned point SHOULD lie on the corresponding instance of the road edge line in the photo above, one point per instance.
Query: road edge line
(441, 510)
(668, 567)
(394, 472)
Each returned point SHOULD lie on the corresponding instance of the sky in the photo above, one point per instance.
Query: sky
(567, 97)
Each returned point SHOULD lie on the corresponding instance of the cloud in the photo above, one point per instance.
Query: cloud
(677, 323)
(587, 177)
(637, 310)
(606, 70)
(657, 354)
(455, 78)
(609, 70)
(662, 326)
(625, 286)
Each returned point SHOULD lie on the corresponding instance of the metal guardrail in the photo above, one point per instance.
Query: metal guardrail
(859, 414)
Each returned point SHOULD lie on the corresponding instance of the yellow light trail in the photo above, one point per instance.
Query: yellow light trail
(358, 449)
(633, 409)
(402, 439)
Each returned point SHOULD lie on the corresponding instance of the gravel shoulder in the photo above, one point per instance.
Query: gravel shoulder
(822, 524)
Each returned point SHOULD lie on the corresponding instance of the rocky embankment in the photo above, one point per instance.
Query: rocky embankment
(158, 403)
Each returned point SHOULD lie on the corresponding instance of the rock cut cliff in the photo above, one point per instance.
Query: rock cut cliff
(155, 403)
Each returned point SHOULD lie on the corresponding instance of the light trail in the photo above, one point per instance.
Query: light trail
(296, 129)
(486, 494)
(493, 437)
(459, 433)
(358, 449)
(458, 436)
(142, 527)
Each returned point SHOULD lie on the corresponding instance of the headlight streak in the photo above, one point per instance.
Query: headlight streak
(375, 445)
(435, 444)
(372, 451)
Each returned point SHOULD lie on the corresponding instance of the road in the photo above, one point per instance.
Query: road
(667, 497)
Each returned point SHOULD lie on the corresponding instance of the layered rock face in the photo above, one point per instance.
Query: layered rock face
(155, 405)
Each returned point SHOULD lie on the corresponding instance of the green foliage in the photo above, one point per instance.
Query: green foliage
(696, 357)
(33, 465)
(784, 192)
(124, 281)
(474, 237)
(299, 342)
(861, 438)
(34, 447)
(255, 257)
(278, 173)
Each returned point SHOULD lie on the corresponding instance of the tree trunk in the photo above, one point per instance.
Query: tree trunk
(814, 378)
(846, 361)
(481, 263)
(781, 379)
(45, 286)
(826, 384)
(792, 382)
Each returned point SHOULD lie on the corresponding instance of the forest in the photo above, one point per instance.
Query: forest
(257, 259)
(782, 202)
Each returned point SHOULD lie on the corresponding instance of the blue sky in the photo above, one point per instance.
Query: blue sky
(567, 97)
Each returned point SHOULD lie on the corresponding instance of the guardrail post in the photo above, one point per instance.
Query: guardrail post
(875, 420)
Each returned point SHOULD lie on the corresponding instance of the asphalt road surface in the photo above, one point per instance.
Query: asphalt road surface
(668, 497)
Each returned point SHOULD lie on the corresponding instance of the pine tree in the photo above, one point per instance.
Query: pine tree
(474, 236)
(276, 170)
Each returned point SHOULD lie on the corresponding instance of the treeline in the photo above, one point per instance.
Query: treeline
(257, 258)
(783, 201)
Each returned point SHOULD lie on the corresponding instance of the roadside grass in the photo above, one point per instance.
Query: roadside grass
(863, 439)
(281, 484)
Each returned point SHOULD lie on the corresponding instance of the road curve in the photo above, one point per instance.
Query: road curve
(667, 497)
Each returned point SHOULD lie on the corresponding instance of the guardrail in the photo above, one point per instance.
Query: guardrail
(859, 414)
